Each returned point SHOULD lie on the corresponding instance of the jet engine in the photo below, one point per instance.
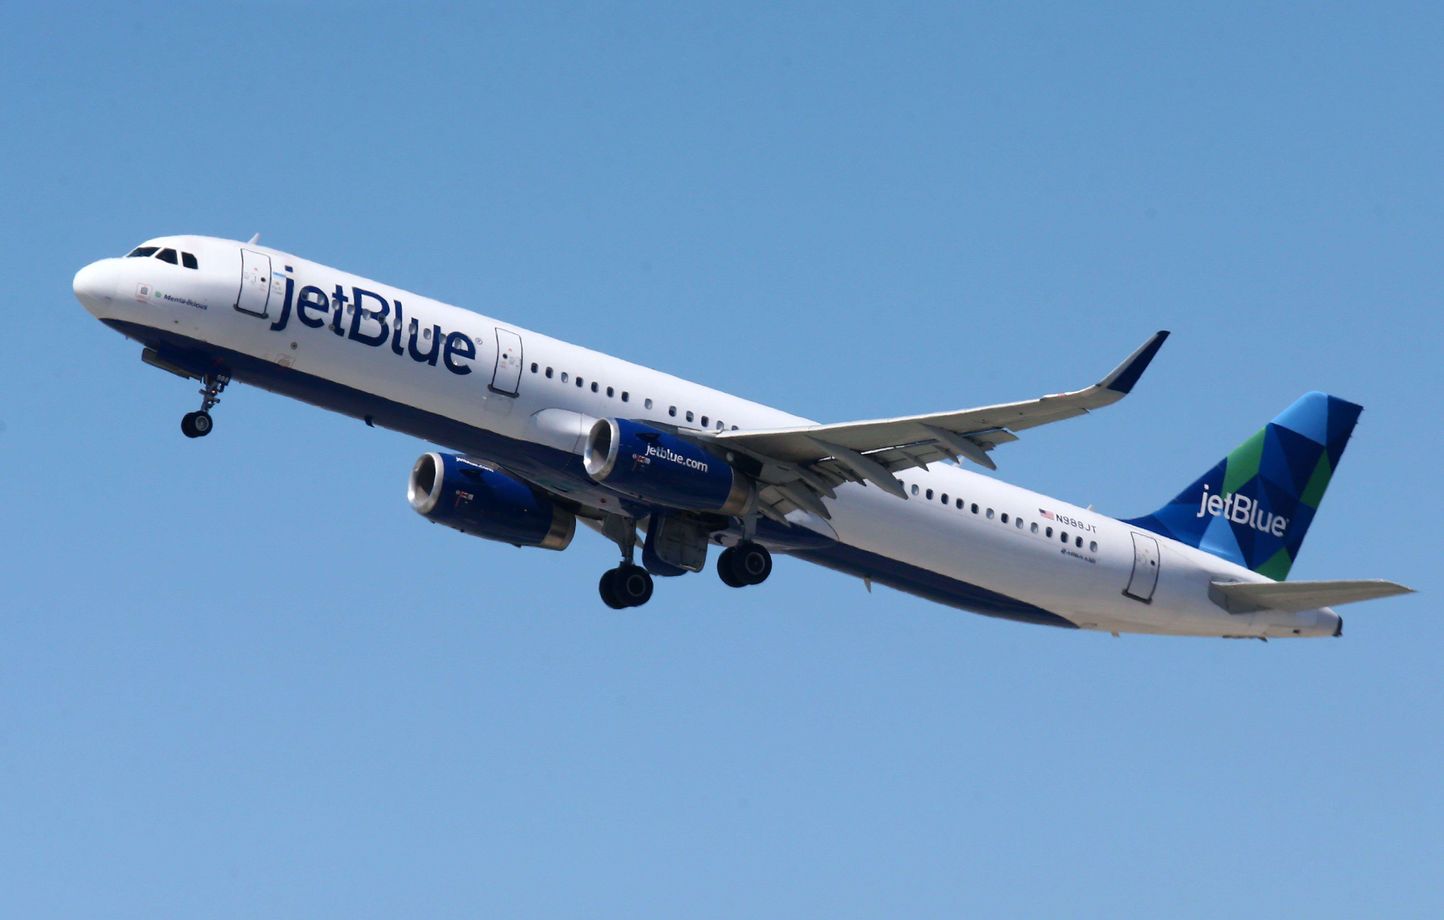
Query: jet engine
(465, 496)
(662, 468)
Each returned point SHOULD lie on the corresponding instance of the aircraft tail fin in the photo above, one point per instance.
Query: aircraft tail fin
(1255, 505)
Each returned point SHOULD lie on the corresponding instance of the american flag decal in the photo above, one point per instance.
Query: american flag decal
(1046, 514)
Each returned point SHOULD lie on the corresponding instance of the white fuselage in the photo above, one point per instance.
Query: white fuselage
(467, 371)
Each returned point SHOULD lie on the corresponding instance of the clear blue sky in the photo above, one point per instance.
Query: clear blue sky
(239, 677)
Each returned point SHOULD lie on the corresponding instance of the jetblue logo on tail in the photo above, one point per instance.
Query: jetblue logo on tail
(1240, 509)
(1255, 505)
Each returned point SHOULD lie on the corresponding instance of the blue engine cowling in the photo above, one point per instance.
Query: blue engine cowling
(451, 490)
(662, 468)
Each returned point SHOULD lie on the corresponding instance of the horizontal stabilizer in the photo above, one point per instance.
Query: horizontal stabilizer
(1244, 597)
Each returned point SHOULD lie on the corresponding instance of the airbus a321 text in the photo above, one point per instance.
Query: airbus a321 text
(538, 434)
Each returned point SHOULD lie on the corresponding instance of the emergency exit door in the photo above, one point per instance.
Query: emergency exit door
(507, 376)
(255, 292)
(1144, 579)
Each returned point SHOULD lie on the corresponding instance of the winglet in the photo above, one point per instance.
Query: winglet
(1125, 375)
(255, 238)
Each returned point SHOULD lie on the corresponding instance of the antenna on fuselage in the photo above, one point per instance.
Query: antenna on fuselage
(255, 238)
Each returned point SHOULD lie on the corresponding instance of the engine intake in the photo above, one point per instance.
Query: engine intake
(662, 468)
(465, 496)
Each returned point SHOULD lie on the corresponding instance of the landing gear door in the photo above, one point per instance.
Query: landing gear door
(255, 292)
(1144, 579)
(507, 376)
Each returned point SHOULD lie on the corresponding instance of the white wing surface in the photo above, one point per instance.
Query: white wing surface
(801, 465)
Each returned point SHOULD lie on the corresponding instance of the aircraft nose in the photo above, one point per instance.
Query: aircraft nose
(94, 285)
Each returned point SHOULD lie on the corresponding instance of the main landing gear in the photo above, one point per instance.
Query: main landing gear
(198, 424)
(628, 585)
(747, 563)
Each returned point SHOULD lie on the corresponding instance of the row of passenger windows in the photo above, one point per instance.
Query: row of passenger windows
(1044, 530)
(691, 417)
(165, 255)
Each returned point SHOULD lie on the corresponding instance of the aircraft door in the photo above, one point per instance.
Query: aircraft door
(1144, 579)
(506, 378)
(255, 292)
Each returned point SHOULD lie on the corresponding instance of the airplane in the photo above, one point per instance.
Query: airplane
(537, 434)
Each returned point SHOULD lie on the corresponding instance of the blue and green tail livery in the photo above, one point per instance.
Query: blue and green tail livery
(1256, 504)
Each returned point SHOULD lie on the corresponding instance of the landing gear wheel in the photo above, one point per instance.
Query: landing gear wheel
(633, 585)
(746, 563)
(625, 586)
(196, 424)
(727, 569)
(608, 592)
(199, 424)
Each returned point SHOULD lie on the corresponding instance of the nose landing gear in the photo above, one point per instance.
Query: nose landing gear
(199, 424)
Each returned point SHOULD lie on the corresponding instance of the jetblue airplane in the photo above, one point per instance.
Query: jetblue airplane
(540, 433)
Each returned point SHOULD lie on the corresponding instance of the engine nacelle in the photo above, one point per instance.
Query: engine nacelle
(662, 468)
(451, 490)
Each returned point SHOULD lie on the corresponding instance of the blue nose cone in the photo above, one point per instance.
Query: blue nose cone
(94, 286)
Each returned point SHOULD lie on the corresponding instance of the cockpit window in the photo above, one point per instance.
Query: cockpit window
(167, 255)
(142, 252)
(189, 261)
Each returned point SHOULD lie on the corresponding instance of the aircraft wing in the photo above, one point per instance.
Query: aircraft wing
(799, 465)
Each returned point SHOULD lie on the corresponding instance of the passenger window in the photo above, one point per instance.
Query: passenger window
(1078, 542)
(944, 498)
(672, 411)
(720, 426)
(915, 488)
(549, 373)
(1034, 527)
(975, 507)
(533, 367)
(189, 261)
(1092, 546)
(564, 377)
(142, 252)
(594, 386)
(960, 504)
(610, 392)
(1050, 533)
(930, 494)
(689, 415)
(626, 396)
(734, 427)
(704, 421)
(990, 514)
(1005, 517)
(579, 383)
(1064, 535)
(1018, 522)
(167, 255)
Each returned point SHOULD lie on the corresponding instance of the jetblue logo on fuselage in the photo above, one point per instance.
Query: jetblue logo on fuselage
(1240, 509)
(377, 322)
(666, 453)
